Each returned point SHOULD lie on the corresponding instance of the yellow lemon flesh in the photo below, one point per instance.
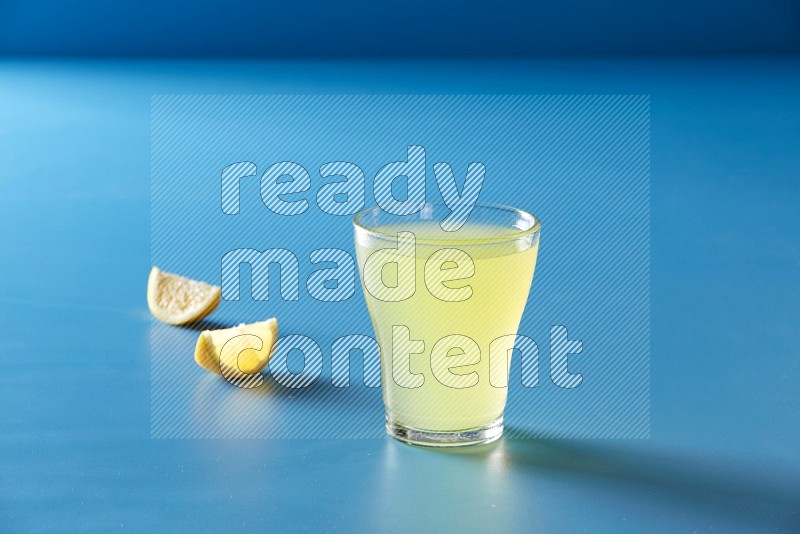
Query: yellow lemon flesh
(243, 349)
(178, 300)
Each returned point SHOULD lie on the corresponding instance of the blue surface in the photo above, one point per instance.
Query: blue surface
(407, 28)
(75, 447)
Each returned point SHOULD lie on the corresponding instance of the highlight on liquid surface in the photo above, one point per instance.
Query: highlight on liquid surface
(502, 277)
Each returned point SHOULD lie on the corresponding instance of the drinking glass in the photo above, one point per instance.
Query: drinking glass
(445, 307)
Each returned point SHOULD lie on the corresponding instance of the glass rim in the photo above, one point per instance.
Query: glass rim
(536, 225)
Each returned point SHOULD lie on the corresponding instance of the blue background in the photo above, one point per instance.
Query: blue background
(75, 447)
(418, 28)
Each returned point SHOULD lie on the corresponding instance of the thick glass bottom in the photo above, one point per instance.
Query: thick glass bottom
(459, 438)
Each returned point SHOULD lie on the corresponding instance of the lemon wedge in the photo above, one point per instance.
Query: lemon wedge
(178, 300)
(244, 349)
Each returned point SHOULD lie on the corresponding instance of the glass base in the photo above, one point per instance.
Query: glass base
(430, 438)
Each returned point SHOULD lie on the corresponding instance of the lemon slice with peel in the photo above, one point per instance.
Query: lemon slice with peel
(242, 349)
(178, 300)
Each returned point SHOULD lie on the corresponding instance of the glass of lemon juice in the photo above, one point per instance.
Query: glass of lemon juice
(445, 307)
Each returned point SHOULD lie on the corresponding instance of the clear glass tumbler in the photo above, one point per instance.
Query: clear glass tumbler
(445, 306)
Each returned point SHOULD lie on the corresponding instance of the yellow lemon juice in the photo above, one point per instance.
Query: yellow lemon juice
(469, 289)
